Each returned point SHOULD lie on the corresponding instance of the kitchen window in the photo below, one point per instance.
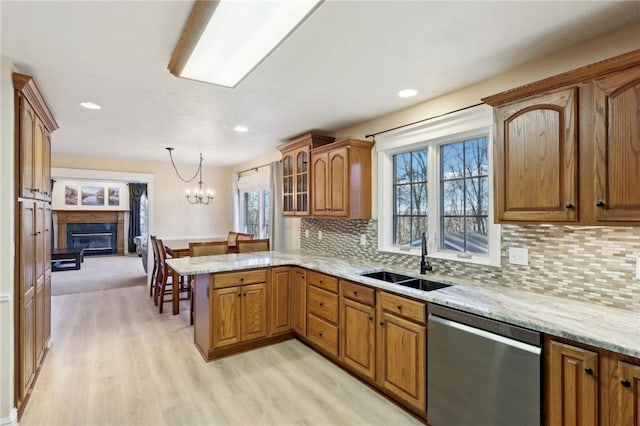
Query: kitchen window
(255, 213)
(434, 177)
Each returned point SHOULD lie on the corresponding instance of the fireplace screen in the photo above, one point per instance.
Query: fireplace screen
(94, 238)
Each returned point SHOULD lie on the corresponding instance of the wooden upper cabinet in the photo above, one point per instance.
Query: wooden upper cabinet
(572, 390)
(25, 149)
(567, 148)
(342, 180)
(617, 146)
(296, 173)
(536, 159)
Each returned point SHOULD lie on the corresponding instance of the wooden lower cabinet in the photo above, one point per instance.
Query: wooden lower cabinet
(299, 301)
(590, 386)
(358, 337)
(401, 359)
(239, 314)
(573, 386)
(280, 289)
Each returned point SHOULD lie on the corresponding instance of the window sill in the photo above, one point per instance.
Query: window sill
(415, 251)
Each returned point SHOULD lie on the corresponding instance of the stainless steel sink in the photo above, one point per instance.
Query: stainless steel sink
(405, 280)
(390, 277)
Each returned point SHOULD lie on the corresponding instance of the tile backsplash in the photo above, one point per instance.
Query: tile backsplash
(590, 264)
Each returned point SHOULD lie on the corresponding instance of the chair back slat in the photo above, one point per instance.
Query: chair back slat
(248, 246)
(208, 248)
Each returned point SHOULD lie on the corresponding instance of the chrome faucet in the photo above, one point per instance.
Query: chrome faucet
(425, 265)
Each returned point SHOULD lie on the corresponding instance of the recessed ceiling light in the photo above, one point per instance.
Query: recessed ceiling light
(407, 93)
(240, 129)
(234, 37)
(90, 105)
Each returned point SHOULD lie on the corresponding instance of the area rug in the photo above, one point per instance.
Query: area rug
(100, 273)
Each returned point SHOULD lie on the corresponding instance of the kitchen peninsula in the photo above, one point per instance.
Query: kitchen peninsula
(249, 300)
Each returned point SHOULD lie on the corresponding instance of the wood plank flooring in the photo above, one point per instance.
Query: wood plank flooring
(115, 361)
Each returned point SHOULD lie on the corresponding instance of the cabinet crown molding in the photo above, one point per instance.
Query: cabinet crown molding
(27, 87)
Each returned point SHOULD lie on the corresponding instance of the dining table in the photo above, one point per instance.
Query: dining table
(180, 248)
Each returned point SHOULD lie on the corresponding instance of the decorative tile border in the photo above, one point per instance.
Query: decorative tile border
(590, 264)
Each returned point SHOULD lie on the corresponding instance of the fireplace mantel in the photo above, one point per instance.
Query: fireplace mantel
(84, 216)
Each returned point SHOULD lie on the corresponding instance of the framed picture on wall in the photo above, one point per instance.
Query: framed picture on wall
(114, 196)
(92, 195)
(71, 195)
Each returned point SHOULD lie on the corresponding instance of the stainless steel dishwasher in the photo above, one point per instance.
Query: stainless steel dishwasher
(481, 372)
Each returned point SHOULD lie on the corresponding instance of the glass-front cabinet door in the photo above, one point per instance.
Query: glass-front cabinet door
(302, 182)
(288, 207)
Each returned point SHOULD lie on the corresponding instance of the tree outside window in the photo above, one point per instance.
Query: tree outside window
(256, 213)
(410, 197)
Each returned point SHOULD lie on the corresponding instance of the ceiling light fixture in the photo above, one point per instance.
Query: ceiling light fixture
(407, 93)
(90, 105)
(225, 40)
(199, 196)
(240, 129)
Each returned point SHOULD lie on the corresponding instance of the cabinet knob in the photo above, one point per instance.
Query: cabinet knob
(382, 323)
(370, 318)
(241, 279)
(321, 303)
(600, 204)
(589, 371)
(569, 206)
(320, 334)
(625, 383)
(355, 293)
(239, 294)
(399, 307)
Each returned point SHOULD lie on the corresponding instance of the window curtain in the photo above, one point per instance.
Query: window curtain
(235, 226)
(276, 236)
(136, 190)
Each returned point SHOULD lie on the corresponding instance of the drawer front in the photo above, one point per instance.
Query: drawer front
(231, 279)
(323, 304)
(326, 282)
(322, 334)
(357, 292)
(404, 307)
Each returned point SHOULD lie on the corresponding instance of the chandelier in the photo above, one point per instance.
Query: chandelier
(198, 196)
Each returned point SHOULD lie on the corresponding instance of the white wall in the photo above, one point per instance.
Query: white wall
(7, 411)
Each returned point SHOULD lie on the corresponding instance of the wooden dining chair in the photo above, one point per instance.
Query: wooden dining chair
(205, 249)
(164, 283)
(248, 246)
(156, 261)
(233, 246)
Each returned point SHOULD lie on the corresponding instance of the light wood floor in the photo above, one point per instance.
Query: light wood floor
(115, 361)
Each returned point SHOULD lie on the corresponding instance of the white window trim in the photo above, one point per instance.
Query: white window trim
(455, 127)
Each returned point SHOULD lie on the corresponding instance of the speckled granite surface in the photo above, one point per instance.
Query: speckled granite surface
(609, 328)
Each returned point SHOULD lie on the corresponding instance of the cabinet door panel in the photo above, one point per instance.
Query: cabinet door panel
(338, 182)
(536, 159)
(573, 381)
(629, 394)
(302, 189)
(402, 359)
(27, 315)
(319, 205)
(617, 146)
(280, 287)
(254, 311)
(27, 124)
(39, 136)
(299, 301)
(358, 335)
(46, 166)
(226, 317)
(288, 207)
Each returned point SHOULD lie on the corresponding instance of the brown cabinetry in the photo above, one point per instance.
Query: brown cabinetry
(358, 329)
(239, 314)
(322, 312)
(281, 296)
(299, 295)
(296, 175)
(402, 350)
(32, 287)
(590, 386)
(567, 148)
(341, 182)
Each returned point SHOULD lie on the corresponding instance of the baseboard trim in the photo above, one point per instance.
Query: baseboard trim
(11, 420)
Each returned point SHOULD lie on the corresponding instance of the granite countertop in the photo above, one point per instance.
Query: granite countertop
(604, 327)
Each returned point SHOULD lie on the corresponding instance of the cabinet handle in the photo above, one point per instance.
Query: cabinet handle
(241, 279)
(321, 303)
(321, 282)
(382, 323)
(569, 206)
(320, 334)
(589, 371)
(239, 294)
(245, 295)
(370, 318)
(600, 204)
(355, 293)
(625, 383)
(46, 230)
(399, 307)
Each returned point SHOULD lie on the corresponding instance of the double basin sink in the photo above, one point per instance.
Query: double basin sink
(406, 281)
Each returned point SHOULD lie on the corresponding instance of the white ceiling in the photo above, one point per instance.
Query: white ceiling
(343, 65)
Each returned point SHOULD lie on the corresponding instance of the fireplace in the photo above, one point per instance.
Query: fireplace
(97, 232)
(94, 238)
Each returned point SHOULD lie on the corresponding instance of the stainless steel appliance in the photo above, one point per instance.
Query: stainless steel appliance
(481, 372)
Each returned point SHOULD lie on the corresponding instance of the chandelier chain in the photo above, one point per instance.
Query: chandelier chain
(198, 171)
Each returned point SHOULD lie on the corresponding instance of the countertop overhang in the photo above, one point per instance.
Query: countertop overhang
(613, 329)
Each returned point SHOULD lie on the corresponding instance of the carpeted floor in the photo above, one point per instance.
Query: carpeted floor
(100, 273)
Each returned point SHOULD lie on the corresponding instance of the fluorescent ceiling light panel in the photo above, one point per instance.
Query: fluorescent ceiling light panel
(239, 35)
